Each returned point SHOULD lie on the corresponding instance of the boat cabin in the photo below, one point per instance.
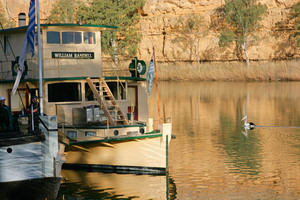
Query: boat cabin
(72, 65)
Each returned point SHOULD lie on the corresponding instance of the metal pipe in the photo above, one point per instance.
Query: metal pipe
(167, 154)
(40, 60)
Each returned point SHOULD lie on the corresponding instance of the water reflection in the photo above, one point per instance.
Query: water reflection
(211, 158)
(36, 189)
(98, 185)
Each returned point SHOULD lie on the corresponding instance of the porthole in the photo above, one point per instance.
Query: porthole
(116, 132)
(142, 130)
(9, 150)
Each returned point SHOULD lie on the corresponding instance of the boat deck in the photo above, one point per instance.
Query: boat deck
(101, 125)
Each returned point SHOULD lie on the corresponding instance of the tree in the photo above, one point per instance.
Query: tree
(5, 23)
(121, 13)
(242, 17)
(190, 30)
(64, 12)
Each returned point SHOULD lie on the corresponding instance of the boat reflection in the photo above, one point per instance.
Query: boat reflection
(97, 185)
(35, 189)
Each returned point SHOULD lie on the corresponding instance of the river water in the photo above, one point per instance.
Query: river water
(213, 156)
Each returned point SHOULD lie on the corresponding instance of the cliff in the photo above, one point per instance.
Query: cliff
(158, 26)
(159, 23)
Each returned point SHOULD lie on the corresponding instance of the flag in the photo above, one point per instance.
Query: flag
(28, 44)
(150, 74)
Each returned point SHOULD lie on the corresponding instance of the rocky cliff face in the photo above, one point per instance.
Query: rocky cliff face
(158, 26)
(159, 22)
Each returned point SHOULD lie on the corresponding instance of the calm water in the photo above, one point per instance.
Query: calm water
(212, 156)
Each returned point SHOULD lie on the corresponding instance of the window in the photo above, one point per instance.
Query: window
(89, 95)
(89, 38)
(71, 37)
(6, 45)
(53, 37)
(72, 134)
(115, 87)
(118, 89)
(90, 133)
(63, 92)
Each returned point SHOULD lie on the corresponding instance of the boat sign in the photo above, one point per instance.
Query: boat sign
(73, 55)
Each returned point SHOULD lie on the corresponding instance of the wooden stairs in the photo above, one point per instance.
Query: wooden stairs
(107, 101)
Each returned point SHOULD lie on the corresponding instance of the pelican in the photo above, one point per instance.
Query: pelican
(247, 125)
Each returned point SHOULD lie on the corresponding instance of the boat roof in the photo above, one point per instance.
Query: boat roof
(77, 78)
(23, 28)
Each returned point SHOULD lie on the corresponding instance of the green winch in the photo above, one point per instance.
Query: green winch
(137, 67)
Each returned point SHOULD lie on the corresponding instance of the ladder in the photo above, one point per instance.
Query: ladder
(107, 101)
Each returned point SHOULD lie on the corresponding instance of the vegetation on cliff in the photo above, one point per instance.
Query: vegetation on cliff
(121, 13)
(240, 24)
(4, 22)
(296, 15)
(64, 12)
(190, 29)
(242, 17)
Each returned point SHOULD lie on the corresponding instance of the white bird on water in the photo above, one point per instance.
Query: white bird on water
(247, 125)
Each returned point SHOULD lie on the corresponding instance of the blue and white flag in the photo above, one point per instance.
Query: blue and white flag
(150, 74)
(28, 44)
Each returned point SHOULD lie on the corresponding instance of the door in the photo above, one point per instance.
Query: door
(132, 98)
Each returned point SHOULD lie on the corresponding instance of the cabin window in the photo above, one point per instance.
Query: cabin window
(89, 95)
(71, 37)
(72, 134)
(90, 133)
(118, 89)
(53, 37)
(6, 45)
(64, 92)
(89, 38)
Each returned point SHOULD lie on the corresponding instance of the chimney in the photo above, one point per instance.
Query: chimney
(22, 19)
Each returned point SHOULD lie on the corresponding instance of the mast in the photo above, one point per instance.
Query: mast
(40, 59)
(157, 97)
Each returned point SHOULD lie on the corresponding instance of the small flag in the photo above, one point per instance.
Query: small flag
(150, 74)
(31, 27)
(28, 44)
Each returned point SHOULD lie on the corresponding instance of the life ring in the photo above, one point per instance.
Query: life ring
(141, 67)
(15, 67)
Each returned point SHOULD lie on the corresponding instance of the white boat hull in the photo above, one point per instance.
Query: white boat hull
(26, 161)
(148, 152)
(27, 157)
